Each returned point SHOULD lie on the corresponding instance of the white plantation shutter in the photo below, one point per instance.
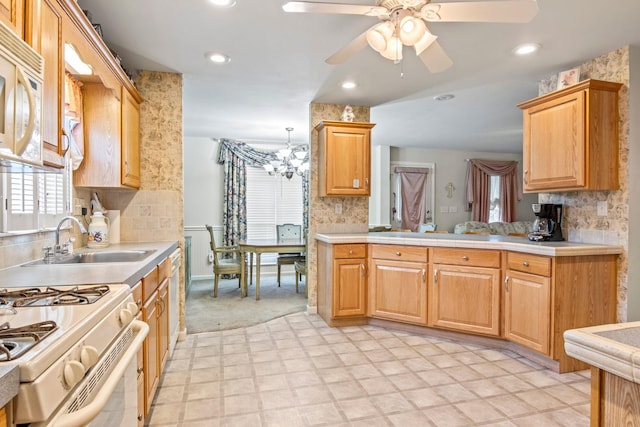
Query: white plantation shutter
(271, 200)
(34, 200)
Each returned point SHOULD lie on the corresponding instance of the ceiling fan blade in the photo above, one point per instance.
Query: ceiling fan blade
(483, 11)
(435, 58)
(354, 46)
(349, 9)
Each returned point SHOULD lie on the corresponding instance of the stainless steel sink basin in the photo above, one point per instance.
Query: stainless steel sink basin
(96, 258)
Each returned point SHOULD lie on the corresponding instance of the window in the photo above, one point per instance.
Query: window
(495, 211)
(33, 201)
(271, 200)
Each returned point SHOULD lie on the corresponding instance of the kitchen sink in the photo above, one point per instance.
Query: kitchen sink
(96, 257)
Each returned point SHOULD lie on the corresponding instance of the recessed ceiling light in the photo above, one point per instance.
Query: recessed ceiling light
(446, 97)
(223, 3)
(526, 49)
(348, 85)
(217, 58)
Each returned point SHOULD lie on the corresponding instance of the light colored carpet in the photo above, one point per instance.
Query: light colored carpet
(204, 313)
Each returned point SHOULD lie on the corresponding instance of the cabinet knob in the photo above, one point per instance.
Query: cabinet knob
(465, 258)
(350, 252)
(525, 263)
(398, 254)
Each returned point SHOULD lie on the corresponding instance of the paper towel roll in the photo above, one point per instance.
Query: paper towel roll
(114, 228)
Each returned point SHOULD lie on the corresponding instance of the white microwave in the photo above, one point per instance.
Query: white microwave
(21, 78)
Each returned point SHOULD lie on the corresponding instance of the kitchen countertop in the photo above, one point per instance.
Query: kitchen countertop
(87, 274)
(476, 241)
(9, 381)
(614, 348)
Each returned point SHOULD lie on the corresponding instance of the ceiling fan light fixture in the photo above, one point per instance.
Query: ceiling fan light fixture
(393, 52)
(412, 30)
(378, 37)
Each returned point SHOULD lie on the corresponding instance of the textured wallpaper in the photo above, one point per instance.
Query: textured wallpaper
(355, 210)
(581, 222)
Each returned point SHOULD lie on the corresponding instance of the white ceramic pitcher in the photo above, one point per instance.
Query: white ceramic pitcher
(98, 231)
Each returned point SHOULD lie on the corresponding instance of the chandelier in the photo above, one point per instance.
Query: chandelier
(290, 160)
(404, 27)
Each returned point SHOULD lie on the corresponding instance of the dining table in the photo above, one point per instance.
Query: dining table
(261, 246)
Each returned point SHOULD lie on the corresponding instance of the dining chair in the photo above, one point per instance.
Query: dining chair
(286, 232)
(222, 264)
(300, 268)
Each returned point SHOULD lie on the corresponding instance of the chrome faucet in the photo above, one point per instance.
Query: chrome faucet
(72, 219)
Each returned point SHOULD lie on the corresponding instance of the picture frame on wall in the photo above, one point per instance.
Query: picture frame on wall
(568, 77)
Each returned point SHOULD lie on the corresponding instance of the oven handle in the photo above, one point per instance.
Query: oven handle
(84, 415)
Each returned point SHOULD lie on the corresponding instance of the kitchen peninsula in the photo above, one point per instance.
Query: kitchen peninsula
(493, 290)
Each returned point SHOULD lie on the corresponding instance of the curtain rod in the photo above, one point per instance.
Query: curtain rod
(517, 161)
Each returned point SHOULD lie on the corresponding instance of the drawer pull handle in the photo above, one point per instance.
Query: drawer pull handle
(398, 254)
(525, 263)
(506, 284)
(350, 252)
(465, 258)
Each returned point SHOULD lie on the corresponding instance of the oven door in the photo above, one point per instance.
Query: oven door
(108, 394)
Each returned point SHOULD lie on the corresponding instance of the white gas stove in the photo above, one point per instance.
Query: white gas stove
(66, 342)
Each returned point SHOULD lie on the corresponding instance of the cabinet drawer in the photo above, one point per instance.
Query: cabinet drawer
(395, 252)
(527, 263)
(472, 257)
(149, 284)
(164, 269)
(350, 251)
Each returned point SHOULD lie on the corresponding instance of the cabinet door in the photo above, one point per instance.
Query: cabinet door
(102, 129)
(348, 297)
(465, 299)
(151, 365)
(345, 158)
(398, 291)
(44, 33)
(130, 140)
(12, 14)
(554, 144)
(528, 310)
(163, 323)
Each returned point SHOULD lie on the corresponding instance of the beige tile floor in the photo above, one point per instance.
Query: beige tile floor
(296, 371)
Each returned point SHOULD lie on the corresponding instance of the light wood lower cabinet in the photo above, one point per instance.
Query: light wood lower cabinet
(398, 283)
(516, 300)
(527, 301)
(342, 295)
(155, 312)
(464, 292)
(3, 417)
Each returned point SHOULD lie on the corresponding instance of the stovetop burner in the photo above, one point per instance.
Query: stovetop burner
(34, 297)
(14, 342)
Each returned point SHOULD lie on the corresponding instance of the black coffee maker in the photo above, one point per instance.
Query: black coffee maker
(547, 225)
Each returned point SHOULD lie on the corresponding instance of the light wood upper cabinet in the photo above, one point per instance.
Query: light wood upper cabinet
(44, 33)
(345, 158)
(111, 129)
(12, 14)
(570, 138)
(130, 167)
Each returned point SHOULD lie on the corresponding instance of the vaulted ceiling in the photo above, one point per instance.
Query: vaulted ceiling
(277, 67)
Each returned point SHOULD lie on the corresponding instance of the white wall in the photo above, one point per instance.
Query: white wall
(451, 167)
(203, 183)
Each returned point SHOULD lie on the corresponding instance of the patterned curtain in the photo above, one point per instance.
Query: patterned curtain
(236, 156)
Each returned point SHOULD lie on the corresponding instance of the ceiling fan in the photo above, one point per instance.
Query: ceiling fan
(403, 24)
